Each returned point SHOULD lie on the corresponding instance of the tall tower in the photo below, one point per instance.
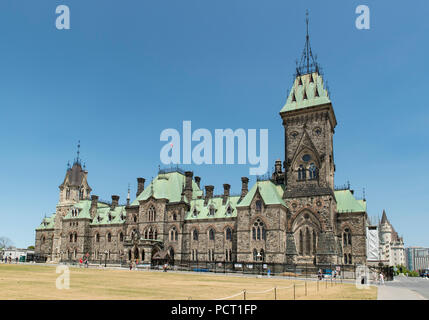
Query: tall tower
(74, 188)
(75, 185)
(309, 122)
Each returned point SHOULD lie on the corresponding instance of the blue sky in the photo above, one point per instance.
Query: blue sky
(129, 69)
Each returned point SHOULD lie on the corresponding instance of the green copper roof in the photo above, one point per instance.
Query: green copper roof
(117, 216)
(346, 202)
(362, 203)
(270, 193)
(167, 186)
(47, 223)
(83, 207)
(200, 211)
(307, 91)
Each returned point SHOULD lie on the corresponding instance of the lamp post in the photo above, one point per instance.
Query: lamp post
(105, 258)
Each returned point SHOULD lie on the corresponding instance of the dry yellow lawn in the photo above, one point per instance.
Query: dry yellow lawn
(39, 282)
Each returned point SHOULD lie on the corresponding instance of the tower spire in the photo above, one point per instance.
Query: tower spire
(78, 152)
(308, 62)
(128, 195)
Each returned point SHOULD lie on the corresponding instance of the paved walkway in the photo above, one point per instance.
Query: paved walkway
(386, 292)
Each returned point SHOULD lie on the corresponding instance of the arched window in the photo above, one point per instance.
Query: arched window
(347, 237)
(301, 173)
(121, 237)
(313, 171)
(211, 234)
(314, 242)
(195, 235)
(350, 259)
(146, 234)
(150, 233)
(255, 255)
(262, 255)
(258, 230)
(43, 239)
(135, 218)
(67, 193)
(345, 259)
(155, 234)
(258, 205)
(151, 213)
(97, 237)
(301, 243)
(307, 242)
(228, 234)
(174, 216)
(109, 237)
(81, 194)
(75, 237)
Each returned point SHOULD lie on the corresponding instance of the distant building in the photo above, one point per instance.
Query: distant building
(22, 254)
(392, 251)
(417, 258)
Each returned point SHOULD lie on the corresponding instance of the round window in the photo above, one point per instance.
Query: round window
(306, 157)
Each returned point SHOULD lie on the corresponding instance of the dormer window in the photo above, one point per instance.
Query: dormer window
(98, 218)
(212, 211)
(195, 213)
(110, 217)
(229, 211)
(258, 205)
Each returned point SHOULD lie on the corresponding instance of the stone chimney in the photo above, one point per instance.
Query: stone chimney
(188, 185)
(115, 201)
(93, 208)
(140, 186)
(209, 194)
(244, 187)
(197, 181)
(278, 166)
(226, 188)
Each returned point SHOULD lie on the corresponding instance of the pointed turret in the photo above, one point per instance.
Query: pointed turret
(75, 186)
(384, 219)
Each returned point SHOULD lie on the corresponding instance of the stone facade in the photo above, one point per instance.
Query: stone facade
(295, 216)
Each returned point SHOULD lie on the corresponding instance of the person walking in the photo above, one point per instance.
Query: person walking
(80, 262)
(131, 265)
(381, 278)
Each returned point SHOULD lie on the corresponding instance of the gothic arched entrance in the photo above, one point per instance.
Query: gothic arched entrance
(136, 253)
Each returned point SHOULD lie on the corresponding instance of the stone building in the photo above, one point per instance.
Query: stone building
(293, 216)
(392, 250)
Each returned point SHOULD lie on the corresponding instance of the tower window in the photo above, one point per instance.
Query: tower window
(301, 173)
(313, 171)
(306, 157)
(258, 230)
(258, 205)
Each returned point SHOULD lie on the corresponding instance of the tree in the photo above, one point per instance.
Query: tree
(5, 243)
(30, 248)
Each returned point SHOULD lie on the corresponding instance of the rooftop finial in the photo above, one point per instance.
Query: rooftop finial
(306, 66)
(78, 152)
